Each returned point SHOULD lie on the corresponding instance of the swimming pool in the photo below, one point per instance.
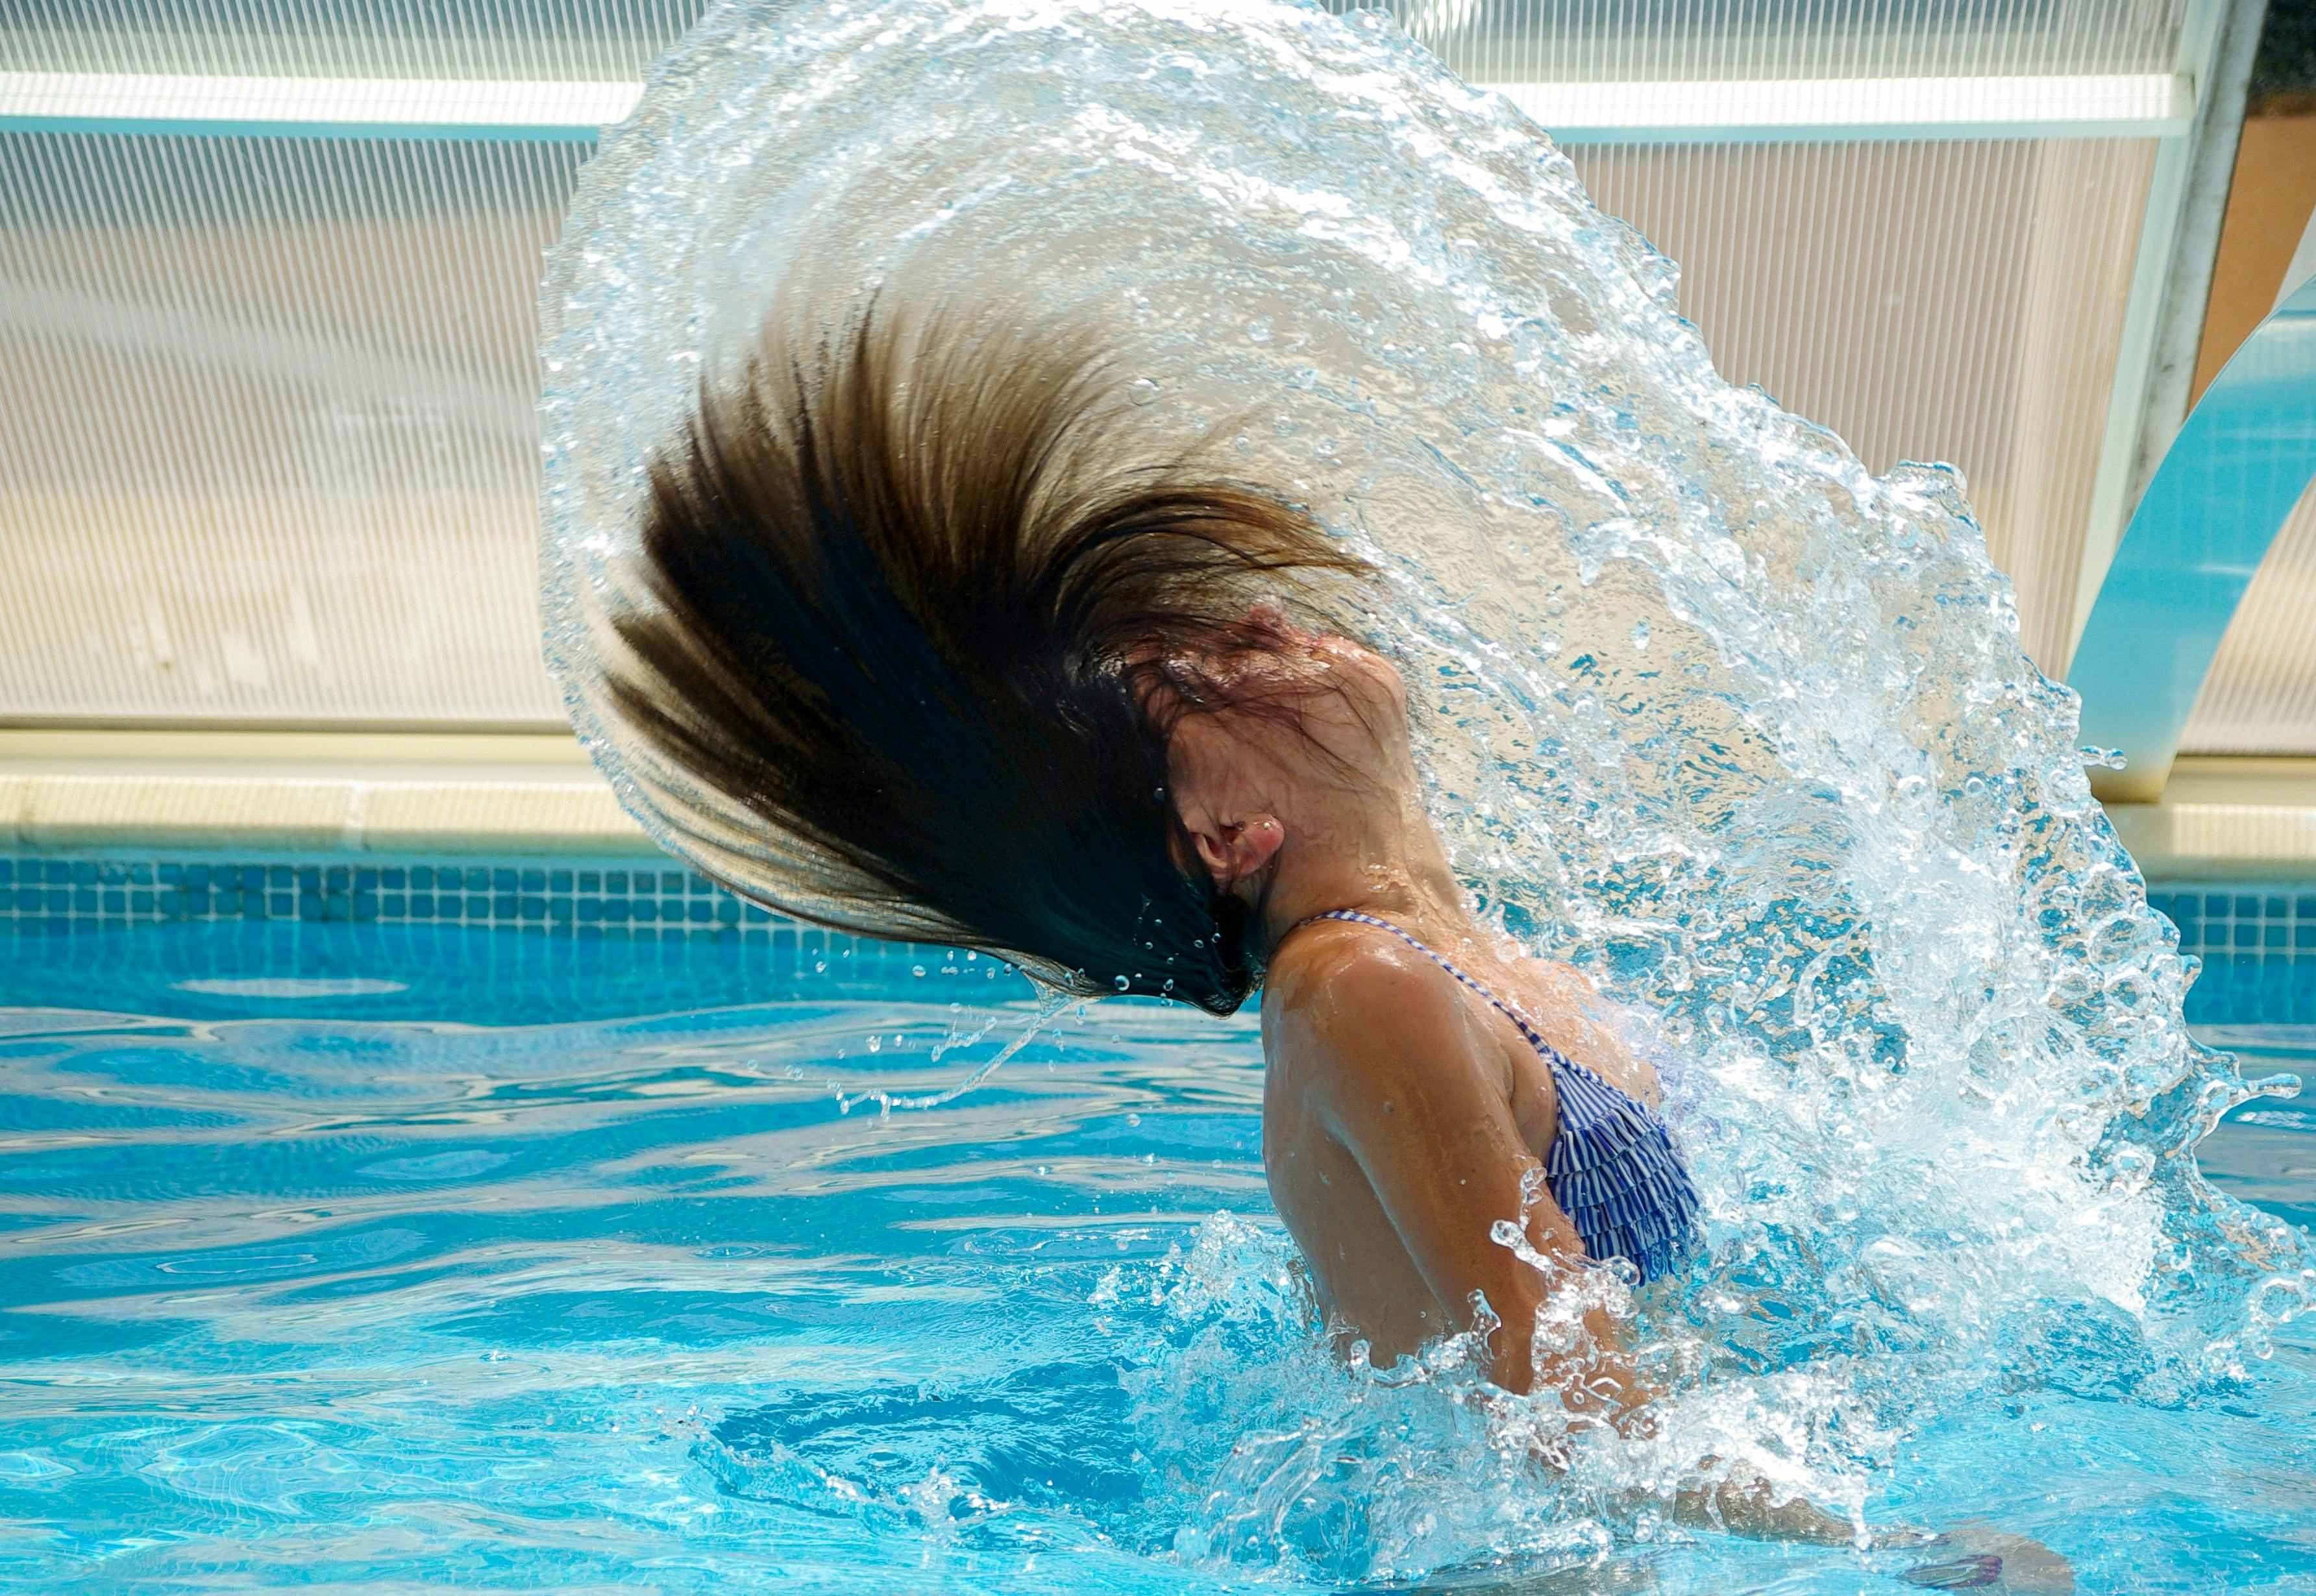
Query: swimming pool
(350, 1255)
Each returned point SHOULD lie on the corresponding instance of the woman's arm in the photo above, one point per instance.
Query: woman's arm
(1415, 1091)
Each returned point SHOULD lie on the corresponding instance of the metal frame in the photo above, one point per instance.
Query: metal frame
(2158, 105)
(2156, 274)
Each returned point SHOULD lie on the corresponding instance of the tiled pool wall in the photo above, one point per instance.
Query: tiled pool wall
(654, 907)
(636, 899)
(2258, 942)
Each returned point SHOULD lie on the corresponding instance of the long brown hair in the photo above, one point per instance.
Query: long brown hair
(913, 610)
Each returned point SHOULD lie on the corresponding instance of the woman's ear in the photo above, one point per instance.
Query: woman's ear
(1236, 854)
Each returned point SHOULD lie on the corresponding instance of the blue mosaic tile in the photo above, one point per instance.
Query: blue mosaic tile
(2250, 940)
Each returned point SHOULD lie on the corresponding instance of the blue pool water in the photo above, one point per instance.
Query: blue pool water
(352, 1256)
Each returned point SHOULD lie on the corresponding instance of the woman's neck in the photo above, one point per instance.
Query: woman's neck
(1383, 859)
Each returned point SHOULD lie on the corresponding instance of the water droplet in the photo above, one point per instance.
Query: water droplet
(1142, 391)
(875, 1044)
(1640, 636)
(1122, 983)
(917, 970)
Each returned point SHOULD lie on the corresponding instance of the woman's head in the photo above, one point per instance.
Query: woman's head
(913, 611)
(1291, 732)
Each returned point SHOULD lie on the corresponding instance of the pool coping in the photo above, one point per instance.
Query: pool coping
(537, 795)
(306, 792)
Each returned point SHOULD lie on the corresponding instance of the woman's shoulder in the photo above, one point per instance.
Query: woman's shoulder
(1331, 959)
(1342, 994)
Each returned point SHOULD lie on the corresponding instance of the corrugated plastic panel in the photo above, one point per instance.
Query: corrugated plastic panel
(1492, 40)
(1684, 41)
(597, 39)
(265, 415)
(265, 403)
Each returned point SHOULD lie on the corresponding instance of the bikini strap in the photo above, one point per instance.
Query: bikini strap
(1551, 1055)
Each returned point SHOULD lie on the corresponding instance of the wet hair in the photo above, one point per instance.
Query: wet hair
(920, 608)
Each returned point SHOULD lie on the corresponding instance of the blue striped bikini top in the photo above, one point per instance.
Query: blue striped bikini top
(1612, 1165)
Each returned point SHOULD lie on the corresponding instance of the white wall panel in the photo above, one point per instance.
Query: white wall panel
(266, 433)
(1492, 40)
(392, 39)
(1596, 40)
(266, 442)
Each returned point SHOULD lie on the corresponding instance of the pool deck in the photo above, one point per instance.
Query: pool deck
(2233, 819)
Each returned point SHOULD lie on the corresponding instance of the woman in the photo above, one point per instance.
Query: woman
(987, 674)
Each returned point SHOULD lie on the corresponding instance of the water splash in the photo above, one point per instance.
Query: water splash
(1711, 710)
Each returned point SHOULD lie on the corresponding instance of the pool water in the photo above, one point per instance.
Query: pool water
(364, 1257)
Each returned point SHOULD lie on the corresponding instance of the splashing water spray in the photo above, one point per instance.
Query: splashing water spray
(1708, 708)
